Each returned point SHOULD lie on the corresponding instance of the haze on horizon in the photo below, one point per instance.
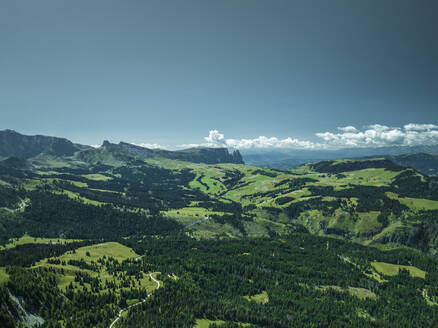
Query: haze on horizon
(303, 74)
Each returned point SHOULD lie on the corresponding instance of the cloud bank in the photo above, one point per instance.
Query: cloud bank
(376, 135)
(151, 146)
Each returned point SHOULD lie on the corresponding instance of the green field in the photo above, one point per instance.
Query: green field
(73, 195)
(261, 298)
(95, 252)
(92, 255)
(3, 276)
(97, 177)
(205, 323)
(389, 269)
(196, 212)
(361, 293)
(35, 240)
(251, 186)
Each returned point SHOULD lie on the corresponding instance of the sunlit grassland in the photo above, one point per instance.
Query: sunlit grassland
(365, 222)
(259, 226)
(76, 196)
(415, 203)
(78, 184)
(97, 177)
(192, 212)
(253, 184)
(261, 298)
(54, 162)
(113, 249)
(205, 323)
(389, 269)
(208, 184)
(358, 292)
(91, 254)
(369, 177)
(3, 276)
(26, 239)
(46, 172)
(208, 229)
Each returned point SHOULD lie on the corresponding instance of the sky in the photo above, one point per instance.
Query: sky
(310, 73)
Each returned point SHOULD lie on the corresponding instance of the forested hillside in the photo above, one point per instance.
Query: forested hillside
(345, 243)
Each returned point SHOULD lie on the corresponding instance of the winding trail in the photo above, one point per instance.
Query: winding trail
(135, 304)
(194, 223)
(22, 205)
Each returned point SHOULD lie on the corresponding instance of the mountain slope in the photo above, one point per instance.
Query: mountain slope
(371, 201)
(94, 227)
(426, 163)
(194, 155)
(284, 159)
(22, 146)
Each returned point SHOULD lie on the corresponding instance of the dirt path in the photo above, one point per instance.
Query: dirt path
(135, 304)
(22, 205)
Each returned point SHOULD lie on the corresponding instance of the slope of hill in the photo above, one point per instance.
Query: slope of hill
(92, 227)
(371, 201)
(426, 163)
(422, 158)
(18, 145)
(195, 155)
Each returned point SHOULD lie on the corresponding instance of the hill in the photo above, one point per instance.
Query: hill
(426, 163)
(194, 155)
(232, 245)
(22, 146)
(422, 158)
(372, 201)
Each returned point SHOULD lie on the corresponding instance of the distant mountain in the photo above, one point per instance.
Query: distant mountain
(289, 158)
(425, 163)
(117, 152)
(14, 144)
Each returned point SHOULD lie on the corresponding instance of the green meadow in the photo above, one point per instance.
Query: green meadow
(389, 269)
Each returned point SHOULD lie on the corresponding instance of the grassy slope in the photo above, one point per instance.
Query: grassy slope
(205, 323)
(3, 276)
(260, 188)
(261, 298)
(256, 181)
(389, 269)
(33, 240)
(96, 252)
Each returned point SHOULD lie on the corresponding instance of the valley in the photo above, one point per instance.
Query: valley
(119, 237)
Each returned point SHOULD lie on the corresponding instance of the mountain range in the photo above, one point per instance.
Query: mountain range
(14, 144)
(125, 236)
(422, 158)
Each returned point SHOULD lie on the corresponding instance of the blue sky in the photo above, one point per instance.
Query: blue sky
(168, 72)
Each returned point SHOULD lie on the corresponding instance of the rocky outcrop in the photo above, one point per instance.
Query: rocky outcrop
(195, 155)
(18, 145)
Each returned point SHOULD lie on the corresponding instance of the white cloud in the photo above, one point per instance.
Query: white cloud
(150, 146)
(375, 135)
(347, 129)
(381, 135)
(420, 127)
(270, 142)
(215, 138)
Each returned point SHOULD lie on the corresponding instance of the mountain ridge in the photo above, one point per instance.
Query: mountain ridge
(14, 144)
(194, 155)
(17, 145)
